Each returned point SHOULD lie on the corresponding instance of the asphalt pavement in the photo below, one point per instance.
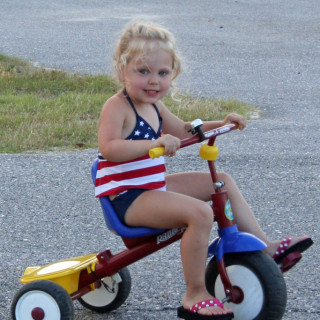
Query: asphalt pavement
(262, 52)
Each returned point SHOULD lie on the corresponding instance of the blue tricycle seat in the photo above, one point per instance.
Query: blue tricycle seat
(111, 218)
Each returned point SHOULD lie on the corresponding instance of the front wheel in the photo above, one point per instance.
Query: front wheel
(260, 280)
(110, 294)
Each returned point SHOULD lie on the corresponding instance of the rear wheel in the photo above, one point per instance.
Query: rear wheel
(42, 299)
(260, 280)
(110, 293)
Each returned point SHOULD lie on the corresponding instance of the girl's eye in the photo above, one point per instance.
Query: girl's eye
(163, 73)
(144, 71)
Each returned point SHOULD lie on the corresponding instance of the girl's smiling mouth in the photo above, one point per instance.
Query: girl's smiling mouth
(151, 92)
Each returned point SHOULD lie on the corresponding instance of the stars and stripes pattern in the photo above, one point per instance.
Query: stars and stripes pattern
(142, 173)
(142, 132)
(116, 177)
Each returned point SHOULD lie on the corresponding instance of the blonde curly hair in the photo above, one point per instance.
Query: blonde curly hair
(140, 38)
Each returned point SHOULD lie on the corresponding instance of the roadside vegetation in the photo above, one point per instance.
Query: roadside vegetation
(49, 110)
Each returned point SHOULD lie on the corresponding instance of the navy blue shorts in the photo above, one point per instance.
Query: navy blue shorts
(123, 201)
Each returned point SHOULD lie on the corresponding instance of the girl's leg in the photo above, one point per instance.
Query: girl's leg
(160, 209)
(199, 185)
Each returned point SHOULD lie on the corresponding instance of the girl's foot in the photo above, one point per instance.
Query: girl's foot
(205, 306)
(287, 252)
(275, 249)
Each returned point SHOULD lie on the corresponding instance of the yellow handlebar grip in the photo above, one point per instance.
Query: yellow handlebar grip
(156, 152)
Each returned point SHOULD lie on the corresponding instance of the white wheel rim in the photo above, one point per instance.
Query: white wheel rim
(101, 297)
(252, 289)
(37, 299)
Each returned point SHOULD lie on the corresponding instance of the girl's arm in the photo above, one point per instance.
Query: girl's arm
(175, 126)
(112, 143)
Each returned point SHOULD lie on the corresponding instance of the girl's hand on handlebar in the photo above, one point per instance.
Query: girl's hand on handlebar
(170, 143)
(234, 117)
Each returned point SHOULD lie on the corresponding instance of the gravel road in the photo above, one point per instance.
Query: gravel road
(263, 52)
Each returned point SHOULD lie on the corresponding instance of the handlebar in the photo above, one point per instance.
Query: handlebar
(208, 135)
(156, 152)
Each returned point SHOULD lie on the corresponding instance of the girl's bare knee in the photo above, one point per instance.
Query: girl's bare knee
(204, 216)
(224, 176)
(227, 179)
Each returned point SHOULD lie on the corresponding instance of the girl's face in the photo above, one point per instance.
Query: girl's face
(148, 79)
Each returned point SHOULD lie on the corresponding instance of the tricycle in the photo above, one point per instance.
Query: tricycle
(238, 272)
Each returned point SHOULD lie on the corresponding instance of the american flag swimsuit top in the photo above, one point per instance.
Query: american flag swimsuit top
(141, 173)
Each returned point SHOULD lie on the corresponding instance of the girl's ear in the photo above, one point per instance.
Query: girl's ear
(121, 76)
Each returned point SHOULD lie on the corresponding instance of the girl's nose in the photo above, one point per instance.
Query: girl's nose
(153, 79)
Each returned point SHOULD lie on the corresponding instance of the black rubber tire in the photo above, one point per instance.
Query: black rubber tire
(112, 301)
(28, 297)
(262, 270)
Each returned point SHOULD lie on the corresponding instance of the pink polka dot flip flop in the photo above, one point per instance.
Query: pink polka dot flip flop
(287, 256)
(192, 313)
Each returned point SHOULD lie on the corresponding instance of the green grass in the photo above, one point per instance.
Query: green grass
(50, 110)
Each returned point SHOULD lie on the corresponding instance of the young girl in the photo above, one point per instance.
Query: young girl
(134, 121)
